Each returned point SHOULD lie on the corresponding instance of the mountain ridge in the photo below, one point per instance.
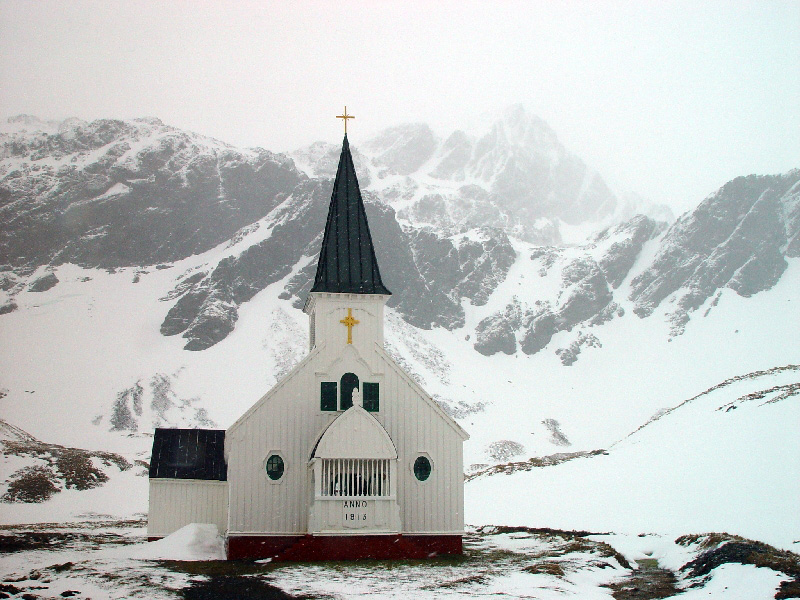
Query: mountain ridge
(112, 194)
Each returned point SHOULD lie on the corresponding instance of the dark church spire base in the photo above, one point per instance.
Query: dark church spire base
(347, 263)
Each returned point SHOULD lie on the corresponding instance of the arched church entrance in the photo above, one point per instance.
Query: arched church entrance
(354, 474)
(348, 383)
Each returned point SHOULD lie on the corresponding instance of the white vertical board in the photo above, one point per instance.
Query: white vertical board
(420, 428)
(175, 503)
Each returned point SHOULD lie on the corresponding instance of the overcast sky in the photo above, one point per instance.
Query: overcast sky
(668, 99)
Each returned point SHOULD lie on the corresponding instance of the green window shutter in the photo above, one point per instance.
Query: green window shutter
(371, 397)
(328, 396)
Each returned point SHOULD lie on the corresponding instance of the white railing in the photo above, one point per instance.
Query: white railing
(355, 477)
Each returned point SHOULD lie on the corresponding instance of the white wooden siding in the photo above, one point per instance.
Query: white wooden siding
(435, 505)
(288, 421)
(178, 502)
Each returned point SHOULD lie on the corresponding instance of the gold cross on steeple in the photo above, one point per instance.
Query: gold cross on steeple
(344, 118)
(349, 321)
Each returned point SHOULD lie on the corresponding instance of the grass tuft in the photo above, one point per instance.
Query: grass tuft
(546, 568)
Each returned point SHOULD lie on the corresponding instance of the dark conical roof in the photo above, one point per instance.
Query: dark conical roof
(347, 262)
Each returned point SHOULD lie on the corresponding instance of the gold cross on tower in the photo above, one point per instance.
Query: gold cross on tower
(344, 118)
(349, 321)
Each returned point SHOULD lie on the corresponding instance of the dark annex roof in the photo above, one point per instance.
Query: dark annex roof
(189, 454)
(347, 262)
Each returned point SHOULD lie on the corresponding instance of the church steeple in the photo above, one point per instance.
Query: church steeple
(347, 262)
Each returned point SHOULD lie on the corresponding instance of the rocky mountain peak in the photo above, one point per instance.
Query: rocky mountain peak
(517, 128)
(31, 123)
(114, 193)
(528, 175)
(155, 121)
(737, 238)
(403, 149)
(71, 124)
(511, 173)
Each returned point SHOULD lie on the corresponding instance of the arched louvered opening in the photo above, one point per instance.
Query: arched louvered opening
(349, 382)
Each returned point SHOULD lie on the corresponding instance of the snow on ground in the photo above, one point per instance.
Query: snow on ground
(702, 467)
(737, 582)
(505, 565)
(86, 561)
(196, 541)
(73, 346)
(124, 496)
(610, 391)
(112, 561)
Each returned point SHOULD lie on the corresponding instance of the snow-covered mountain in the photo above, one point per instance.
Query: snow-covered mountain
(120, 193)
(719, 460)
(739, 238)
(511, 174)
(151, 276)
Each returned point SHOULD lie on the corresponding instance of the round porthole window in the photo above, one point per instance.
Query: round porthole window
(275, 467)
(422, 468)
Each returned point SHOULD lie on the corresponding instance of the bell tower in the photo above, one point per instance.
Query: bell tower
(345, 305)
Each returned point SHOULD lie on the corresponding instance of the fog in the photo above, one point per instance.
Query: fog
(667, 99)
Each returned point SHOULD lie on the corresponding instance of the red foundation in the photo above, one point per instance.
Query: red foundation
(352, 547)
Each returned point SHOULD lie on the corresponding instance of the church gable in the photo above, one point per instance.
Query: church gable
(355, 434)
(421, 394)
(302, 367)
(344, 374)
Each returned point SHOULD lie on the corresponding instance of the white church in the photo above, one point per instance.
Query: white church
(347, 457)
